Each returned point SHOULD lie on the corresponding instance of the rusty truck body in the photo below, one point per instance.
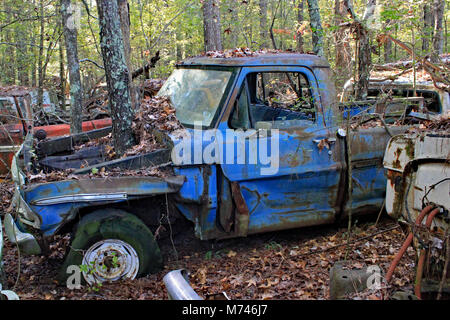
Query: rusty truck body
(287, 101)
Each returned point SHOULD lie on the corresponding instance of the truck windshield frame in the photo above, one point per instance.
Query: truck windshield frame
(198, 93)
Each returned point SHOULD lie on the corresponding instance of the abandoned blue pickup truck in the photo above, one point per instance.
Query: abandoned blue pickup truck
(286, 167)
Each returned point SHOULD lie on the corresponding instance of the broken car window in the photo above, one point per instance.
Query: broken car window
(196, 94)
(282, 98)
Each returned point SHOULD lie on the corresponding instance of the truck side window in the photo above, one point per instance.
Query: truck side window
(280, 96)
(240, 118)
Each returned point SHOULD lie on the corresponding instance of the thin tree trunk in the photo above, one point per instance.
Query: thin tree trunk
(179, 45)
(211, 25)
(263, 23)
(62, 73)
(438, 37)
(76, 89)
(41, 54)
(446, 33)
(234, 32)
(21, 51)
(33, 51)
(117, 74)
(343, 56)
(364, 62)
(388, 50)
(8, 62)
(316, 27)
(299, 36)
(428, 25)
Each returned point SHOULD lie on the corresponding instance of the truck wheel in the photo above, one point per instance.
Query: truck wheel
(111, 244)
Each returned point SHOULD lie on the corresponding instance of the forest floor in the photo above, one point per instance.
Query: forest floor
(292, 264)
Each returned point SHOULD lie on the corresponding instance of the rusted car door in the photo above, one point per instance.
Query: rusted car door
(303, 190)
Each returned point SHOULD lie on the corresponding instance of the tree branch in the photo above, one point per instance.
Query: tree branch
(145, 68)
(93, 62)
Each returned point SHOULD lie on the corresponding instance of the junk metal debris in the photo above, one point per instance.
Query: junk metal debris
(418, 187)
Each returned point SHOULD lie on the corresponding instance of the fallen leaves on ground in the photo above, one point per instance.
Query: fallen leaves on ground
(292, 264)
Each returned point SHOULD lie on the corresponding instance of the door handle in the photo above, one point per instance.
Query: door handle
(259, 132)
(329, 140)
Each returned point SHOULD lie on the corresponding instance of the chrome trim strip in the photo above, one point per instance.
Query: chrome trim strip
(87, 197)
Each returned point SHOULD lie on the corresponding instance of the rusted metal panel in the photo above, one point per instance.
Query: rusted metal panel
(418, 178)
(226, 207)
(64, 144)
(242, 215)
(56, 203)
(414, 163)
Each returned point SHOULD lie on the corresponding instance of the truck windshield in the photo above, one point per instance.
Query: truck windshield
(196, 94)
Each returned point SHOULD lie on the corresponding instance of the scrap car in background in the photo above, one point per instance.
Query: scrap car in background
(17, 118)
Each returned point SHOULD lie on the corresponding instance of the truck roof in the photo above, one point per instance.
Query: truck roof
(269, 59)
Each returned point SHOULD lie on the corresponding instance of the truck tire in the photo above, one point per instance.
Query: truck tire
(111, 244)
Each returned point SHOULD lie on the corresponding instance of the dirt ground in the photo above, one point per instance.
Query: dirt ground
(292, 264)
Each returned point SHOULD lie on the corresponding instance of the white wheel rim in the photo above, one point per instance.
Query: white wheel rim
(110, 260)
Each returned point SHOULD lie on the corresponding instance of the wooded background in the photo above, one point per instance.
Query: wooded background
(33, 40)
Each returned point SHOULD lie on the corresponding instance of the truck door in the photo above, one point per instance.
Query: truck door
(299, 185)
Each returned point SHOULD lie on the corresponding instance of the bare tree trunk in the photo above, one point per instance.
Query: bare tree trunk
(364, 63)
(117, 74)
(388, 49)
(62, 83)
(180, 45)
(8, 58)
(263, 23)
(446, 33)
(299, 37)
(343, 56)
(363, 48)
(211, 25)
(235, 33)
(33, 52)
(76, 89)
(21, 51)
(124, 15)
(388, 52)
(41, 74)
(316, 27)
(438, 38)
(428, 25)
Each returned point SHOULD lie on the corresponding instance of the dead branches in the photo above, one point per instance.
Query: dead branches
(438, 74)
(145, 68)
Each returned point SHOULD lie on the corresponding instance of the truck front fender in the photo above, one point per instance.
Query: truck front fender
(57, 203)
